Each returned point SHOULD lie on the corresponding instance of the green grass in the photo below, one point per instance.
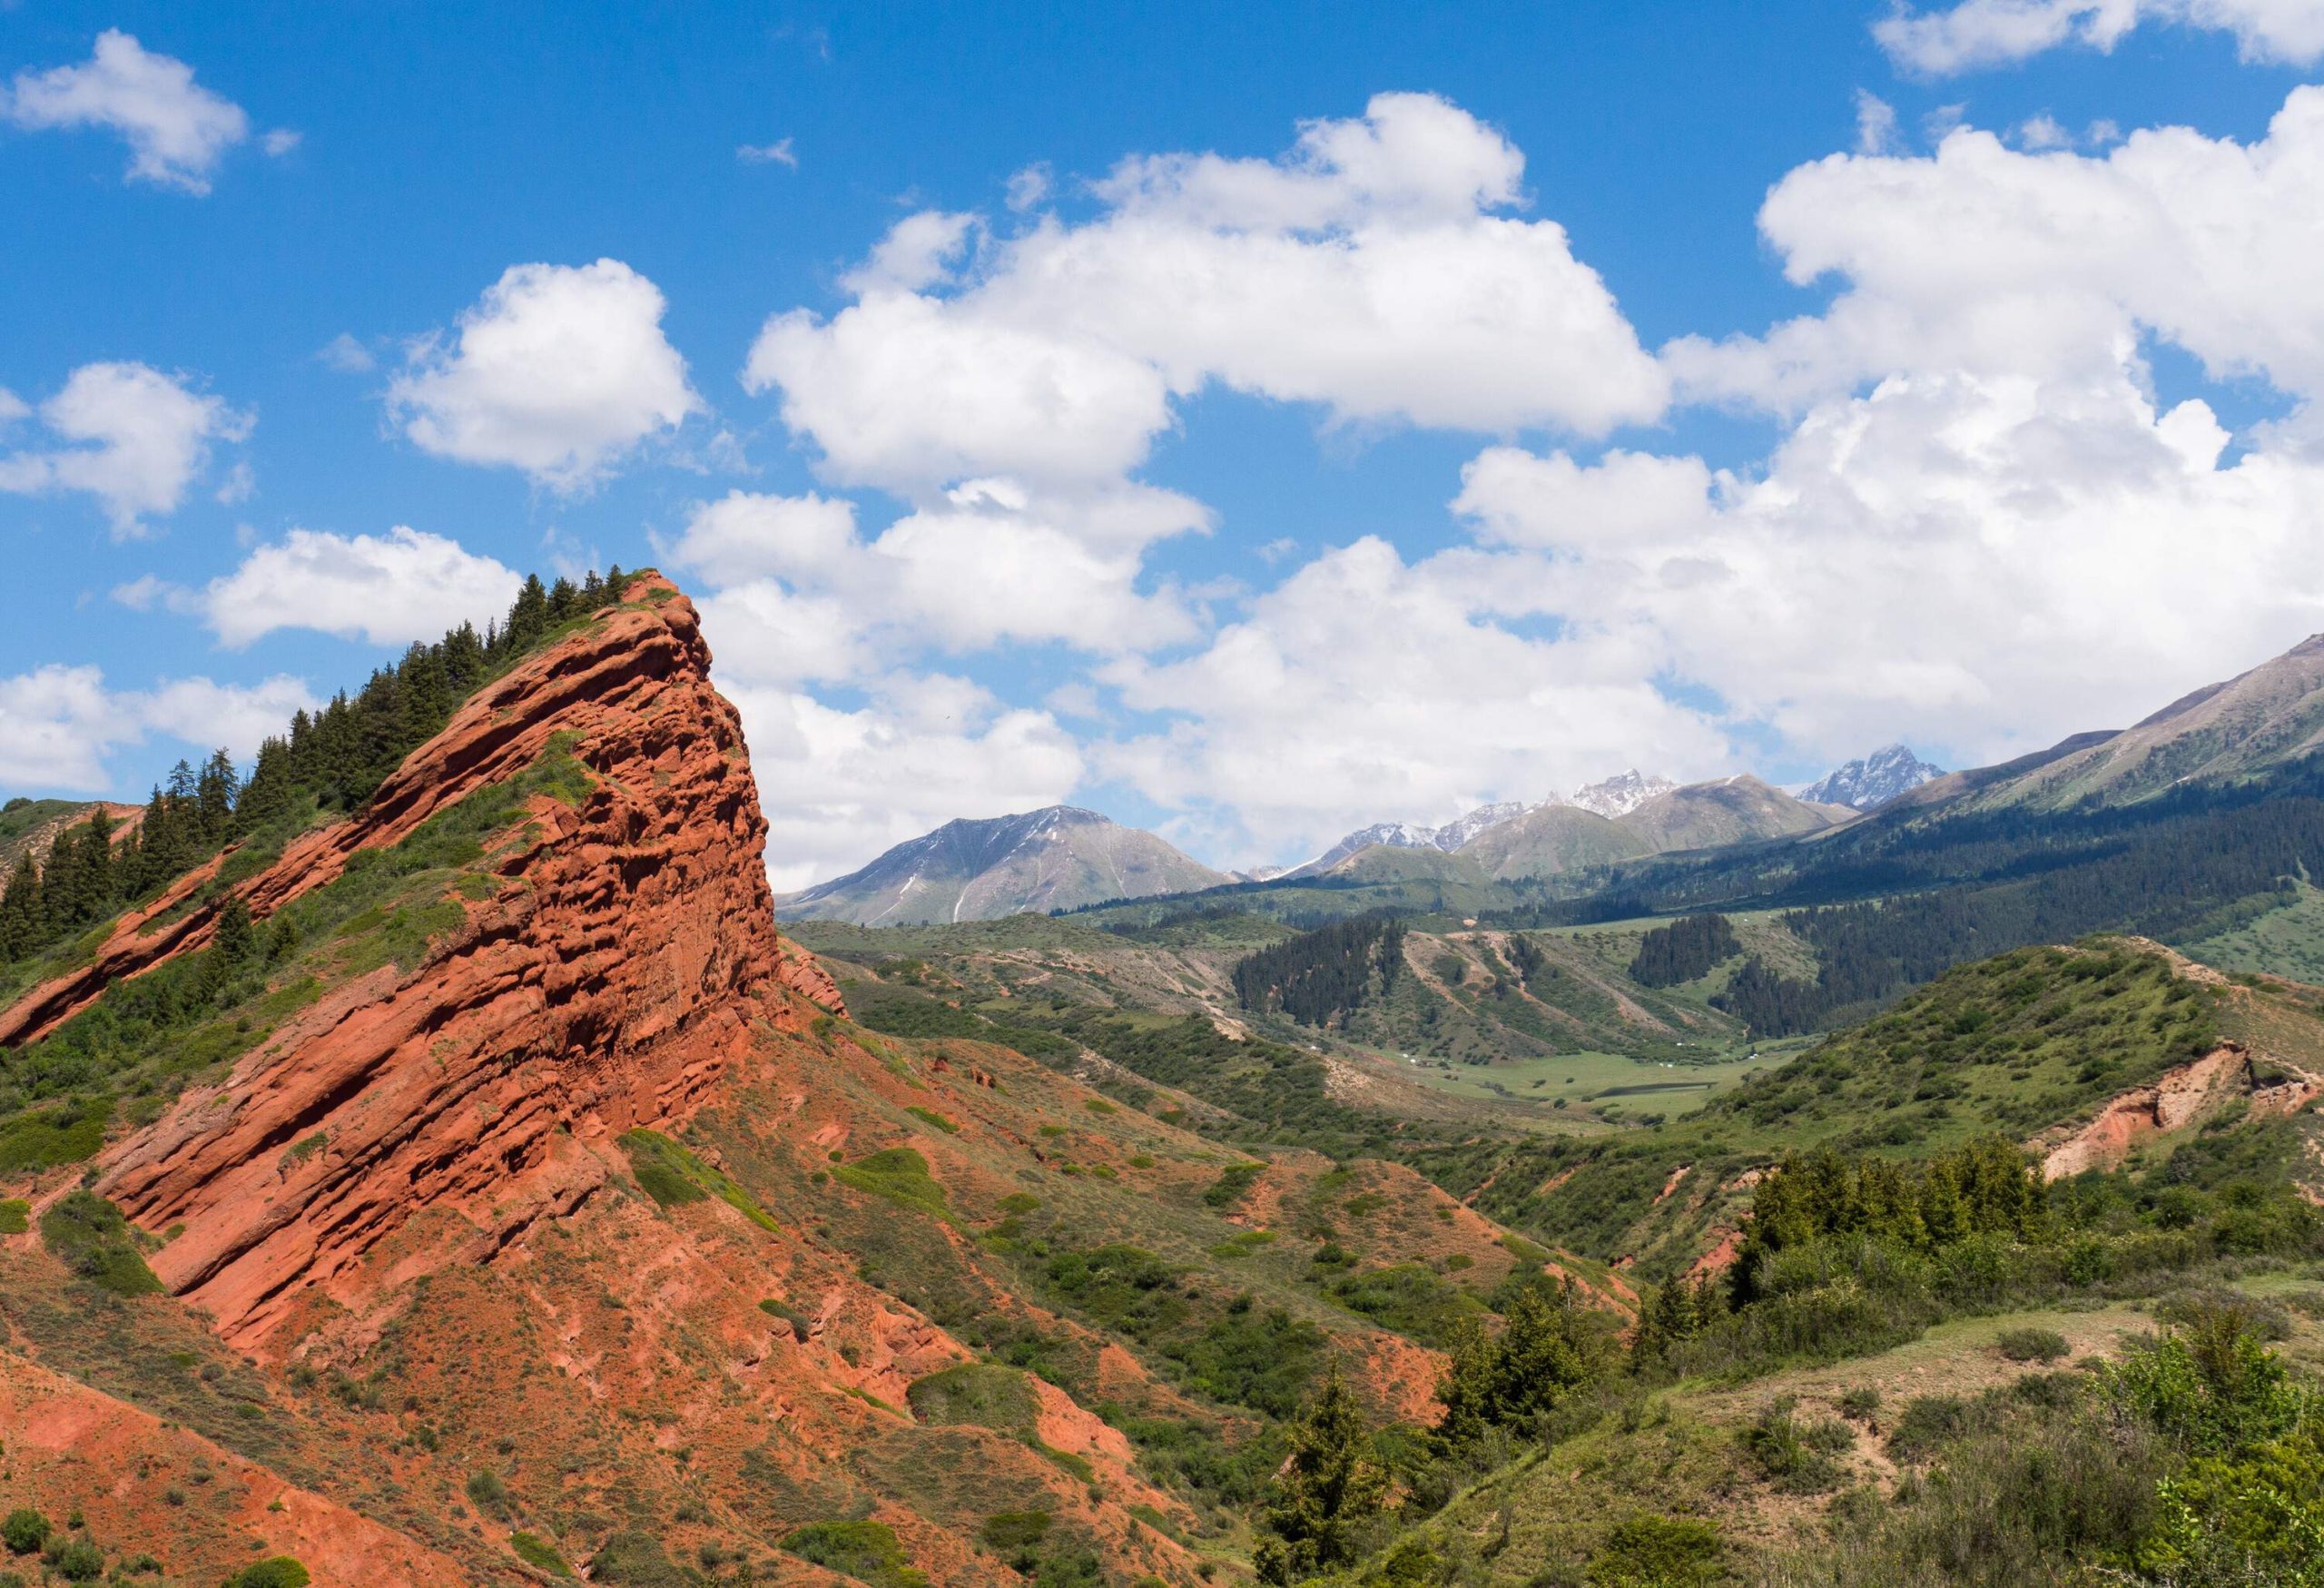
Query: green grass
(16, 1215)
(88, 1235)
(984, 1394)
(675, 1177)
(931, 1117)
(2288, 940)
(899, 1174)
(1409, 1299)
(538, 1552)
(68, 1132)
(865, 1551)
(1580, 1079)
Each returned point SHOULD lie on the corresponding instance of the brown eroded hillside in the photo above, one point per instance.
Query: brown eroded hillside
(480, 1189)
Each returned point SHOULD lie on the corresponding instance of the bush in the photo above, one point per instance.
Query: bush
(866, 1551)
(1927, 1423)
(534, 1551)
(2033, 1345)
(79, 1560)
(1797, 1454)
(89, 1236)
(25, 1531)
(2041, 1501)
(983, 1394)
(275, 1571)
(1232, 1184)
(802, 1326)
(487, 1493)
(1657, 1552)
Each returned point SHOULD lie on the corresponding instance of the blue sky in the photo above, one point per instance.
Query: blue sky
(1137, 486)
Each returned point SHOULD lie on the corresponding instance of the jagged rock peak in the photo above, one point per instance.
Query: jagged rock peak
(608, 955)
(1873, 780)
(1620, 795)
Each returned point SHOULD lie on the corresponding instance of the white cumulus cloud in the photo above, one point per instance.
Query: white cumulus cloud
(853, 783)
(2051, 262)
(388, 589)
(59, 724)
(559, 371)
(177, 131)
(1380, 271)
(131, 436)
(1977, 34)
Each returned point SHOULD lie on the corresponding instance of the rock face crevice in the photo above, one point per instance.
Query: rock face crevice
(614, 976)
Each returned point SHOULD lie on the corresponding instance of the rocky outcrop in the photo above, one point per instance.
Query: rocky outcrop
(625, 959)
(2187, 1095)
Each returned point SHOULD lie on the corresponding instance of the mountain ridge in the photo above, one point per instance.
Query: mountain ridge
(1057, 857)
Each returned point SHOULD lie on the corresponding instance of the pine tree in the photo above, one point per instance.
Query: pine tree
(267, 797)
(20, 910)
(1328, 1489)
(528, 617)
(214, 793)
(236, 937)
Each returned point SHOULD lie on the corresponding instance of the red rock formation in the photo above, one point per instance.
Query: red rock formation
(613, 977)
(2185, 1096)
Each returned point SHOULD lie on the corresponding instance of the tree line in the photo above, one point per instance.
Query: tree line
(1328, 972)
(331, 760)
(1684, 950)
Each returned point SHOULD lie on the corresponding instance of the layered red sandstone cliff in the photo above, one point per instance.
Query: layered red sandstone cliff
(613, 976)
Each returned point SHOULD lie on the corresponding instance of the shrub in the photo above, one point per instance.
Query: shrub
(79, 1560)
(1657, 1552)
(633, 1557)
(802, 1326)
(24, 1531)
(1233, 1185)
(534, 1551)
(1797, 1454)
(866, 1551)
(1927, 1423)
(983, 1394)
(900, 1175)
(2033, 1345)
(89, 1236)
(487, 1493)
(1009, 1530)
(274, 1572)
(1860, 1401)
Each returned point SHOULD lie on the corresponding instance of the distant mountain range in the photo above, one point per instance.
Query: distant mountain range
(1872, 782)
(1064, 858)
(1056, 858)
(2252, 723)
(1616, 796)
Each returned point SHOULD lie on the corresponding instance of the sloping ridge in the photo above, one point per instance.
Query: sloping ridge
(607, 980)
(1059, 856)
(2260, 719)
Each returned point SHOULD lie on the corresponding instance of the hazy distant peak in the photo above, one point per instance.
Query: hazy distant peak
(1873, 780)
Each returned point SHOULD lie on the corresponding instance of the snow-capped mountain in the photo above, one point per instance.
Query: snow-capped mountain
(1414, 835)
(1620, 795)
(1873, 781)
